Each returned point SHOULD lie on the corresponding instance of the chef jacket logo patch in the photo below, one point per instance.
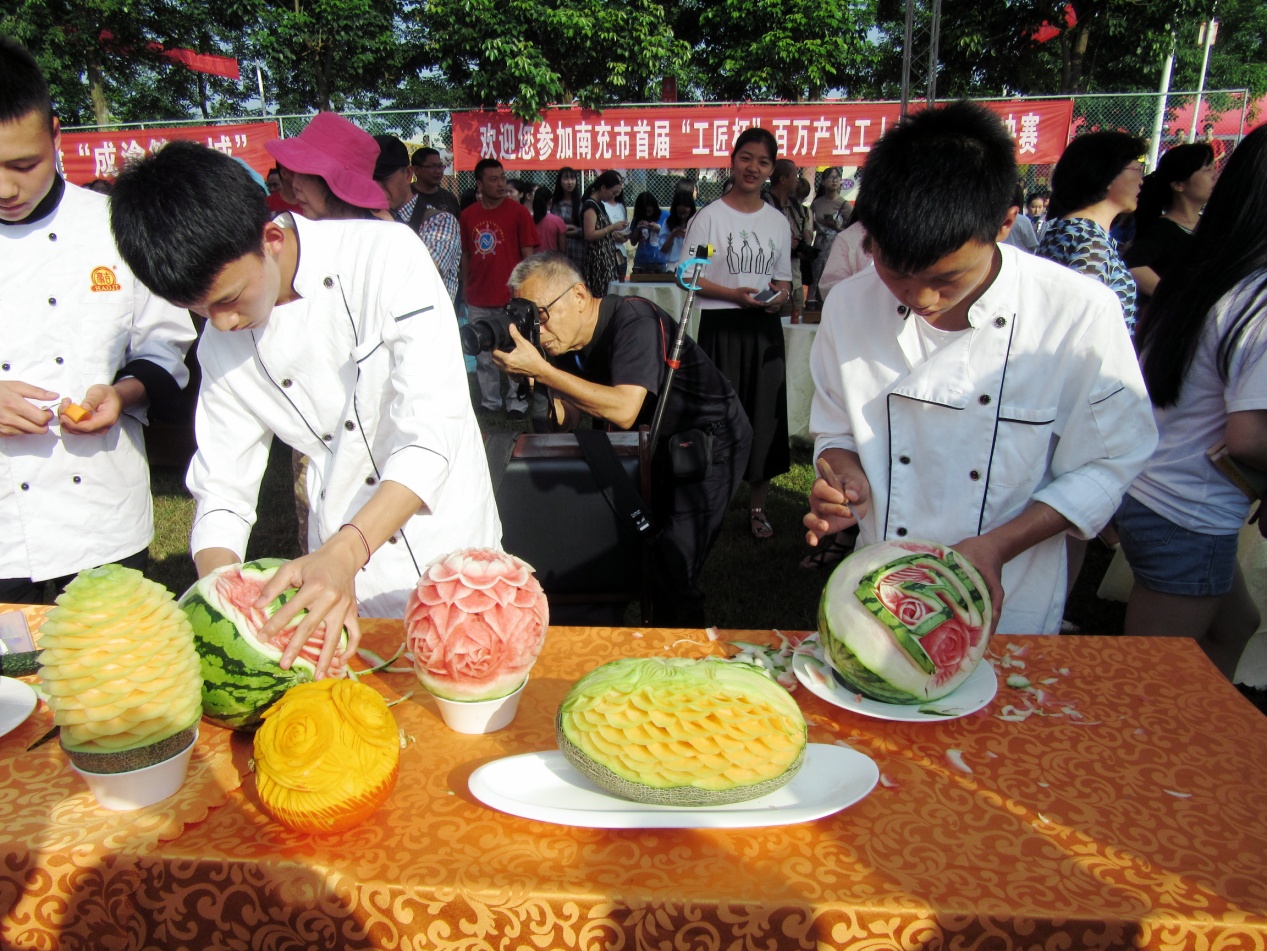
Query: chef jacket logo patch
(103, 279)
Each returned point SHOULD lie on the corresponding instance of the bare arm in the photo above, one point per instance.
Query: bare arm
(1146, 279)
(1246, 437)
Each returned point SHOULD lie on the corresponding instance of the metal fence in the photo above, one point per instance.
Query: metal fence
(1224, 118)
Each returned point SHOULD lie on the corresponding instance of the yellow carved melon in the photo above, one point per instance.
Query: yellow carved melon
(119, 669)
(674, 731)
(326, 755)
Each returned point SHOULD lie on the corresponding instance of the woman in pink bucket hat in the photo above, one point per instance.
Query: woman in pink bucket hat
(332, 162)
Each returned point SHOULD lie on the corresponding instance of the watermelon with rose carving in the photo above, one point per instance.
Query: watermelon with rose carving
(905, 622)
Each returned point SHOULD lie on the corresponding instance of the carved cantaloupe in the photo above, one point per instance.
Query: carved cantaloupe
(680, 732)
(326, 755)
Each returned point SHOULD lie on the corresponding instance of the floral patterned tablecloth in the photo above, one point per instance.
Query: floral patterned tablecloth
(1116, 796)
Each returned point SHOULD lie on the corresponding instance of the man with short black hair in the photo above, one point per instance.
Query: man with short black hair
(437, 228)
(428, 176)
(338, 338)
(75, 326)
(621, 347)
(496, 235)
(966, 392)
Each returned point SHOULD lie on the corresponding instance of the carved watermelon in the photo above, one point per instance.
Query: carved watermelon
(241, 677)
(680, 732)
(905, 622)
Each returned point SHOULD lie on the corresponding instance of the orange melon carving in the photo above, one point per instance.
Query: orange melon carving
(75, 413)
(326, 756)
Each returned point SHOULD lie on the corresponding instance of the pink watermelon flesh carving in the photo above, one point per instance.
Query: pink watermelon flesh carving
(240, 592)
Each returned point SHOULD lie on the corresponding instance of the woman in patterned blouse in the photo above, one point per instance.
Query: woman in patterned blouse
(1097, 178)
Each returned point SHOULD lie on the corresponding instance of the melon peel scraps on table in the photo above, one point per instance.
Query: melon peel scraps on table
(475, 624)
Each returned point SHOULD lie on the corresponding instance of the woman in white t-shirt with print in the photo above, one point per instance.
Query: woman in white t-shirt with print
(740, 333)
(1203, 346)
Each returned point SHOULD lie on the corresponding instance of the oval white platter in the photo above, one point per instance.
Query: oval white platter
(544, 786)
(816, 675)
(17, 700)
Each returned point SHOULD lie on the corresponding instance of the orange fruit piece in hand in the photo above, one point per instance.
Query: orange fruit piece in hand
(76, 413)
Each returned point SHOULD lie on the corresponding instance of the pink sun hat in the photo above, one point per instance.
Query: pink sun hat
(339, 152)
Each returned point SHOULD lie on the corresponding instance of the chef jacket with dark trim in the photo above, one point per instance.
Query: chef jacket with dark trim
(71, 316)
(364, 375)
(1040, 400)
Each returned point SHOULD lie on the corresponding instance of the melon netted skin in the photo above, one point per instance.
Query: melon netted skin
(680, 732)
(119, 669)
(905, 621)
(241, 676)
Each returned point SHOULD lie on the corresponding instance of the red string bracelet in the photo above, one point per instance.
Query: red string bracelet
(360, 534)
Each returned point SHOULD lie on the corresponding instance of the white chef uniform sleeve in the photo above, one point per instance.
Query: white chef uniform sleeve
(1106, 431)
(829, 421)
(431, 409)
(226, 471)
(161, 334)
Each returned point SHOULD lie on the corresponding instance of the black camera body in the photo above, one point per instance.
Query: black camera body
(493, 333)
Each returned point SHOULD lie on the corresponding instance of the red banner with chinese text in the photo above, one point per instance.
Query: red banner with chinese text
(811, 134)
(89, 155)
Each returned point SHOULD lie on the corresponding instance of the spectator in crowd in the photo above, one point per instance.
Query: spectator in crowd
(496, 235)
(1022, 234)
(74, 490)
(527, 192)
(620, 346)
(1203, 349)
(1037, 206)
(332, 169)
(99, 185)
(515, 190)
(966, 392)
(849, 254)
(1170, 203)
(566, 201)
(673, 235)
(338, 338)
(615, 205)
(428, 178)
(802, 222)
(739, 330)
(281, 197)
(604, 260)
(1097, 179)
(781, 196)
(437, 228)
(550, 227)
(830, 211)
(644, 234)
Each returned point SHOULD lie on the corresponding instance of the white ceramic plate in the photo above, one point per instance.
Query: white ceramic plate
(815, 674)
(544, 786)
(17, 700)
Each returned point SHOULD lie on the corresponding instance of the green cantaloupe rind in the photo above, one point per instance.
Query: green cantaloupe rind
(626, 676)
(136, 758)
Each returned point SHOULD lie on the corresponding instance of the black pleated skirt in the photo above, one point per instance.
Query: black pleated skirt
(747, 346)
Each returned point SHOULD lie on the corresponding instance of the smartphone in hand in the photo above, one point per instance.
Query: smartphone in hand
(766, 296)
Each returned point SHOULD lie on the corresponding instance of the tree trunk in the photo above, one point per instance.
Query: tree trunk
(97, 89)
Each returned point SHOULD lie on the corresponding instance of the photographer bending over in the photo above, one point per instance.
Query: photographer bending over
(618, 349)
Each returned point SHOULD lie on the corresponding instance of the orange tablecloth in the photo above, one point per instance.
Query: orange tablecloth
(1134, 813)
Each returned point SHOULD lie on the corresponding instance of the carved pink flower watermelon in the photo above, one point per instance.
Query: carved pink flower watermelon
(475, 623)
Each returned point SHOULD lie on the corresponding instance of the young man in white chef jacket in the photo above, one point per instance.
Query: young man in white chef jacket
(339, 338)
(967, 392)
(75, 326)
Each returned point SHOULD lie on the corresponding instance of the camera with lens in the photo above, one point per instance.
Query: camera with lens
(493, 333)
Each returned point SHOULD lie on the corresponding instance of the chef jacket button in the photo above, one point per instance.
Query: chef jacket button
(392, 540)
(905, 460)
(901, 533)
(1000, 321)
(327, 437)
(328, 282)
(974, 475)
(322, 493)
(76, 480)
(984, 399)
(26, 486)
(52, 236)
(349, 425)
(901, 310)
(286, 382)
(58, 360)
(52, 302)
(370, 480)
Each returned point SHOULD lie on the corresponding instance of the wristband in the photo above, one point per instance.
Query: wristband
(361, 535)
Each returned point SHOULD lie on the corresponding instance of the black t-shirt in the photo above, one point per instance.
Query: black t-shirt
(631, 343)
(1160, 247)
(444, 200)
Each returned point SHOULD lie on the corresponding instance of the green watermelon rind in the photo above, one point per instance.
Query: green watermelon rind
(853, 671)
(239, 682)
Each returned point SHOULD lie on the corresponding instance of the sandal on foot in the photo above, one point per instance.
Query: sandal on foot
(831, 554)
(760, 525)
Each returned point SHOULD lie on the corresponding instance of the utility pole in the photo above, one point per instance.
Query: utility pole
(1159, 119)
(1209, 30)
